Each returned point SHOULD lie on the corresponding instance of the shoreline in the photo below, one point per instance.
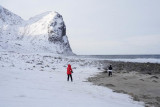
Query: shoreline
(136, 79)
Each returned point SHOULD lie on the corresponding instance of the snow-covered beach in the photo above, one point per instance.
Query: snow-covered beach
(35, 53)
(40, 80)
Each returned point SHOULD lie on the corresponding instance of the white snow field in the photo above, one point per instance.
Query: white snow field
(40, 80)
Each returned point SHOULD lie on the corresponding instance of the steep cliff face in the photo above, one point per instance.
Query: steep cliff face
(43, 33)
(57, 33)
(56, 29)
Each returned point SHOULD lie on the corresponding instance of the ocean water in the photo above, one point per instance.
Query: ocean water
(125, 58)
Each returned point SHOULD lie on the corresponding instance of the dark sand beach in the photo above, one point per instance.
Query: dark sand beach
(140, 80)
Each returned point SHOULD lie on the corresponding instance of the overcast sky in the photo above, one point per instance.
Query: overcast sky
(101, 26)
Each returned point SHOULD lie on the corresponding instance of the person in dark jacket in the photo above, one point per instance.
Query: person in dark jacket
(110, 70)
(69, 72)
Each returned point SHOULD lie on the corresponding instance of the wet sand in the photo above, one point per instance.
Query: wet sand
(141, 86)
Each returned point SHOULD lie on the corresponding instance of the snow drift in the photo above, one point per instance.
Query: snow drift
(43, 33)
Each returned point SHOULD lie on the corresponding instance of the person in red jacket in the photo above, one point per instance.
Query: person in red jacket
(69, 72)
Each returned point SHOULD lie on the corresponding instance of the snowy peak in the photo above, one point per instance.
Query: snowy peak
(7, 17)
(42, 33)
(38, 17)
(40, 24)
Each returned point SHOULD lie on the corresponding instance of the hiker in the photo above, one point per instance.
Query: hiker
(69, 72)
(110, 70)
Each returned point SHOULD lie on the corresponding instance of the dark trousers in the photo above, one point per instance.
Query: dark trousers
(110, 74)
(69, 75)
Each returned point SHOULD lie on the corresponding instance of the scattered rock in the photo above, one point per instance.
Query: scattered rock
(53, 68)
(152, 103)
(105, 71)
(99, 68)
(18, 44)
(120, 91)
(154, 77)
(149, 73)
(125, 78)
(46, 56)
(109, 85)
(135, 97)
(74, 67)
(28, 62)
(146, 97)
(39, 63)
(47, 66)
(158, 99)
(141, 79)
(30, 69)
(154, 81)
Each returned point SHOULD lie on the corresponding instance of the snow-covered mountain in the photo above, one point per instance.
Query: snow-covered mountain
(43, 33)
